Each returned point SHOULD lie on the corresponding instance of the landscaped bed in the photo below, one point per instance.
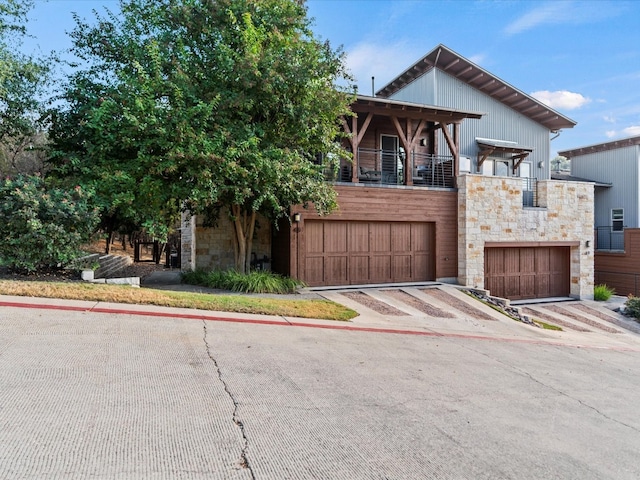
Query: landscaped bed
(76, 290)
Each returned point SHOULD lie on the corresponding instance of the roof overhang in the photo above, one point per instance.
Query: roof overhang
(388, 107)
(489, 146)
(564, 177)
(601, 147)
(459, 67)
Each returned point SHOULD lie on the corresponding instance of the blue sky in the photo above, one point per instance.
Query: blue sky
(580, 57)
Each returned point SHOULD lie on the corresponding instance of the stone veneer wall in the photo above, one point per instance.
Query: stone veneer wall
(490, 210)
(212, 248)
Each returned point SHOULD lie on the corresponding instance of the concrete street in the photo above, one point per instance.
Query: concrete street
(85, 394)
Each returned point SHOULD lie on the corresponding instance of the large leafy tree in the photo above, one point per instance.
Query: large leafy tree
(22, 82)
(215, 105)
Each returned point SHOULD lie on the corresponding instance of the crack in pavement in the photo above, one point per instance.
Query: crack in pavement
(244, 461)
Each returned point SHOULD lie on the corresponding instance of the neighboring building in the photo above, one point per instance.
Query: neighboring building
(615, 166)
(450, 181)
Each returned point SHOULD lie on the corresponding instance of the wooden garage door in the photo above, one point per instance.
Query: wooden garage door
(527, 272)
(352, 253)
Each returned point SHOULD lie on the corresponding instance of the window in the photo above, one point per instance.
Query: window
(617, 219)
(487, 167)
(502, 169)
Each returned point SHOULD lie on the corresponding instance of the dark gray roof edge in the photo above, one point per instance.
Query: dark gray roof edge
(601, 147)
(570, 178)
(422, 60)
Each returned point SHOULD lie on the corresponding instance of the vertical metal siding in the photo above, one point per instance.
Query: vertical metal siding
(499, 122)
(423, 89)
(619, 168)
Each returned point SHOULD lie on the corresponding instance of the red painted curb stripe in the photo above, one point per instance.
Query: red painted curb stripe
(301, 324)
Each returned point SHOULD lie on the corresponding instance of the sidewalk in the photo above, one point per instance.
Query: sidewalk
(407, 321)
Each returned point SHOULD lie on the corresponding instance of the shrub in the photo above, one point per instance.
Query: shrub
(253, 282)
(603, 292)
(42, 227)
(632, 306)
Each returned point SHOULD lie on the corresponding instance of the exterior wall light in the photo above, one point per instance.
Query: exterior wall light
(296, 217)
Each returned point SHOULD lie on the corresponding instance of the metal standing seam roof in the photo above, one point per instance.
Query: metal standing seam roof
(502, 145)
(601, 147)
(456, 65)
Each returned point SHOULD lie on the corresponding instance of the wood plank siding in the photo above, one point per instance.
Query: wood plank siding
(527, 272)
(621, 270)
(378, 235)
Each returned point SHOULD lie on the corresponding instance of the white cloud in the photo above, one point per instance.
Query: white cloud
(632, 131)
(565, 12)
(384, 62)
(609, 119)
(547, 13)
(561, 99)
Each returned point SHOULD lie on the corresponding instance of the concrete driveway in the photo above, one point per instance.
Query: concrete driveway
(86, 394)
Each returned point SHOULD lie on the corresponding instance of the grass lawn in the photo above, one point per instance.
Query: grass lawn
(322, 309)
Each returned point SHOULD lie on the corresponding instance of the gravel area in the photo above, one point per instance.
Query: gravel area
(374, 304)
(634, 327)
(580, 318)
(457, 304)
(554, 320)
(418, 304)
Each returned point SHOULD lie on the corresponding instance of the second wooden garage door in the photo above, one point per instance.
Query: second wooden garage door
(527, 272)
(351, 253)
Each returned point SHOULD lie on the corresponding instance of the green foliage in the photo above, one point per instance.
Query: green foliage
(252, 282)
(632, 306)
(23, 80)
(602, 293)
(215, 106)
(42, 227)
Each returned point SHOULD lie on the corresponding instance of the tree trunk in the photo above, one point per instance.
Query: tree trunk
(244, 225)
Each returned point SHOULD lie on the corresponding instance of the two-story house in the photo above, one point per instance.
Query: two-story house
(450, 182)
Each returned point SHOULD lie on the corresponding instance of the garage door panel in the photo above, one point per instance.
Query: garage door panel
(314, 237)
(381, 268)
(495, 285)
(314, 267)
(359, 269)
(335, 237)
(336, 270)
(380, 237)
(358, 237)
(401, 237)
(421, 266)
(421, 237)
(402, 268)
(527, 286)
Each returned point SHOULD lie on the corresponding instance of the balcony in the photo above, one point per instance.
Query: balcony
(386, 167)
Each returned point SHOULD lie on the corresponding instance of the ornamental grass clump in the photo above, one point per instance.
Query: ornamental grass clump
(602, 293)
(632, 307)
(254, 282)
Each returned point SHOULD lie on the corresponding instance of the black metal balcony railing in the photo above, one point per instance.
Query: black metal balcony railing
(387, 167)
(609, 239)
(529, 192)
(432, 170)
